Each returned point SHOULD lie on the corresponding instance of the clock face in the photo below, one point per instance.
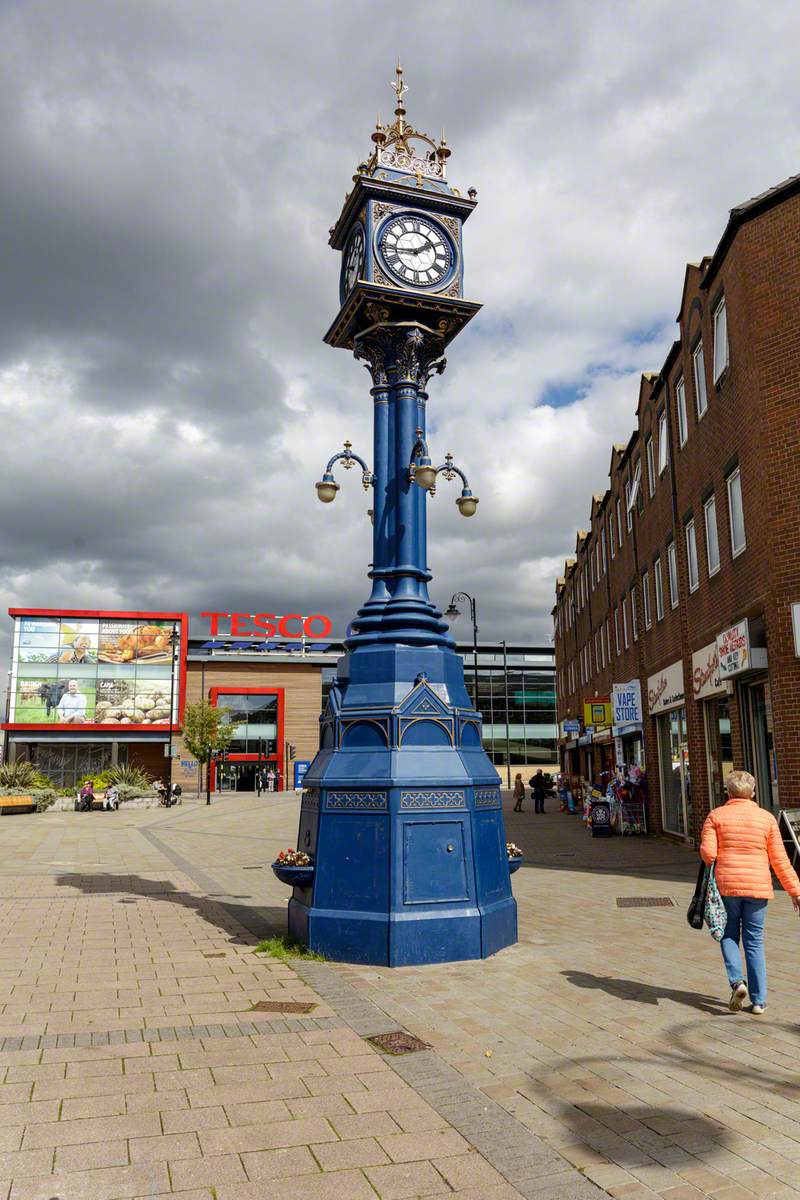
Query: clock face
(353, 260)
(416, 251)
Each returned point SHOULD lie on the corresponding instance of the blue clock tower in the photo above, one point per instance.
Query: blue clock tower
(401, 815)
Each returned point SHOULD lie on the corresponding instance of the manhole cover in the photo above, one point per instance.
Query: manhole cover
(645, 902)
(282, 1006)
(398, 1042)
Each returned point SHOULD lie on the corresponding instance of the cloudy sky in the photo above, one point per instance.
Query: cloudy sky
(169, 170)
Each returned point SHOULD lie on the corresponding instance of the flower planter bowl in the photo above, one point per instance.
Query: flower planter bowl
(295, 876)
(515, 863)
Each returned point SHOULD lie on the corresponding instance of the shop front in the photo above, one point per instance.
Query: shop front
(710, 690)
(257, 744)
(666, 704)
(743, 662)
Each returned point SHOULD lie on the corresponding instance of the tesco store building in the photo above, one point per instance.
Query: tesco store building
(94, 689)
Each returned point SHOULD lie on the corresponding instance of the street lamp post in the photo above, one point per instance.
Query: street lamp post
(174, 641)
(452, 614)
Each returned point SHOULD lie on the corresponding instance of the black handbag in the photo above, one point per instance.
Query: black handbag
(696, 910)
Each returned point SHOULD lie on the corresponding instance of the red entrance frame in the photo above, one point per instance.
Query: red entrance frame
(232, 690)
(180, 619)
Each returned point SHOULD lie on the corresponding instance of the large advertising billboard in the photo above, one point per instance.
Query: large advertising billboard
(94, 669)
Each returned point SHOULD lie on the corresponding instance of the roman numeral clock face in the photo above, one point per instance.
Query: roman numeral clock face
(416, 251)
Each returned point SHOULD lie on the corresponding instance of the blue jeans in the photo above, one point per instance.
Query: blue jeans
(746, 918)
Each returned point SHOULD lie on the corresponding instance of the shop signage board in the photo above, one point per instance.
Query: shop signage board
(597, 711)
(706, 679)
(261, 625)
(665, 689)
(570, 727)
(733, 650)
(626, 703)
(300, 768)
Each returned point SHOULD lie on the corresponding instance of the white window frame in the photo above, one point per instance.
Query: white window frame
(680, 401)
(591, 569)
(700, 390)
(634, 619)
(692, 564)
(611, 535)
(651, 467)
(672, 571)
(663, 442)
(603, 544)
(625, 641)
(659, 588)
(646, 613)
(628, 506)
(616, 631)
(735, 480)
(603, 645)
(710, 512)
(619, 523)
(721, 348)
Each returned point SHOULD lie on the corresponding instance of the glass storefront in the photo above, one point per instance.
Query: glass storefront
(760, 743)
(717, 713)
(673, 749)
(256, 719)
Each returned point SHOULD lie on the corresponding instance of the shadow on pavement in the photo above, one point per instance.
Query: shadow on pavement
(643, 1127)
(220, 911)
(645, 993)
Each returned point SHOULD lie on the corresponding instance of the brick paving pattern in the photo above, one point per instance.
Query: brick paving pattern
(597, 1056)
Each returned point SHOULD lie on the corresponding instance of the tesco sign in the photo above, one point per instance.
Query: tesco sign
(261, 625)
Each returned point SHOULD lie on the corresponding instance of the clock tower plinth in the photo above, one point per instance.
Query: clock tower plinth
(401, 814)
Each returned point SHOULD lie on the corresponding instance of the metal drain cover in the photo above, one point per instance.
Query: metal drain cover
(398, 1042)
(282, 1006)
(645, 902)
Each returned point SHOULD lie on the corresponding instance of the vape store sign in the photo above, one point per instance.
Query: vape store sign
(733, 650)
(626, 702)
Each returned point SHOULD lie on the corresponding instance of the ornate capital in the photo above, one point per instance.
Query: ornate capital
(418, 355)
(375, 347)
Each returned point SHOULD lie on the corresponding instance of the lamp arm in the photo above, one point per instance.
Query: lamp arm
(420, 450)
(450, 470)
(347, 459)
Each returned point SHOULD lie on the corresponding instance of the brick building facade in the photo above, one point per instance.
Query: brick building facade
(686, 578)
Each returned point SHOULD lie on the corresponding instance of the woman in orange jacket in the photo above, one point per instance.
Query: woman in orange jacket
(743, 841)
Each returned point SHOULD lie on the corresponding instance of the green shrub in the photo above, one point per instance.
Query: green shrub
(22, 775)
(133, 777)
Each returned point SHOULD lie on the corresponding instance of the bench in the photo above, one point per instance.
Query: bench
(12, 804)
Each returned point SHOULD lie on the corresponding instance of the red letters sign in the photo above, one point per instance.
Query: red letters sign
(264, 625)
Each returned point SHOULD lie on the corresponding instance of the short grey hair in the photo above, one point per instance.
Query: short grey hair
(740, 783)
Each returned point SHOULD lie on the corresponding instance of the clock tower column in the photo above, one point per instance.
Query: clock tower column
(401, 815)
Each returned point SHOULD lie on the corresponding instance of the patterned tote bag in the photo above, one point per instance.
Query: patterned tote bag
(715, 915)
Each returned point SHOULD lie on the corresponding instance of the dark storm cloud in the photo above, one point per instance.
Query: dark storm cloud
(170, 169)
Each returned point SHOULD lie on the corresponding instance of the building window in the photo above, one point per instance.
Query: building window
(673, 750)
(611, 534)
(680, 396)
(663, 442)
(591, 569)
(628, 506)
(651, 469)
(738, 538)
(625, 621)
(720, 340)
(672, 567)
(616, 631)
(646, 599)
(712, 541)
(634, 621)
(603, 544)
(700, 379)
(659, 585)
(691, 557)
(619, 523)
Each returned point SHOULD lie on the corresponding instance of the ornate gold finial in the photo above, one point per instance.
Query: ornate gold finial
(400, 88)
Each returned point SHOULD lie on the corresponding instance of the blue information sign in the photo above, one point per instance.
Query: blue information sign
(300, 768)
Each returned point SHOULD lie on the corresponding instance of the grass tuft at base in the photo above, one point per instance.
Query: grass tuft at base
(285, 950)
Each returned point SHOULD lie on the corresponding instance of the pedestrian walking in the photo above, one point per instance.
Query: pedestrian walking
(270, 780)
(538, 787)
(519, 793)
(259, 781)
(742, 841)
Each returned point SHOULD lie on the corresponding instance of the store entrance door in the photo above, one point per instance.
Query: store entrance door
(761, 744)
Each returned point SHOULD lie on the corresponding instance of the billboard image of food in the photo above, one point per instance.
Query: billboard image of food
(69, 671)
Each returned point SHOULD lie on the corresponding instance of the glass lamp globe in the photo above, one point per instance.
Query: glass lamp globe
(327, 489)
(425, 474)
(467, 504)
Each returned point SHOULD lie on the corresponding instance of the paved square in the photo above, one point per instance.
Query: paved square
(595, 1056)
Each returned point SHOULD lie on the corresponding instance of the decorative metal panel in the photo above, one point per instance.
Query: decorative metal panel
(433, 799)
(357, 801)
(487, 797)
(310, 800)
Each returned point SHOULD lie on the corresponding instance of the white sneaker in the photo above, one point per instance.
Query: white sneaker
(758, 1009)
(738, 993)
